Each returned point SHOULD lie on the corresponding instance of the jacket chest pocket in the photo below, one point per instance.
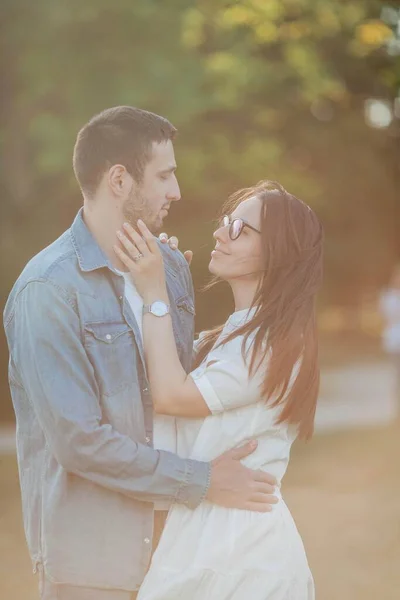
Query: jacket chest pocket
(112, 351)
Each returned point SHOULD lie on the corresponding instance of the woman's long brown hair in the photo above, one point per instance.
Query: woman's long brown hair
(284, 324)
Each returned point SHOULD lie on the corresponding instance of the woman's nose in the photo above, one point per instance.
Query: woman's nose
(219, 234)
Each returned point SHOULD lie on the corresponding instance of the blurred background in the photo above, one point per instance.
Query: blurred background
(306, 92)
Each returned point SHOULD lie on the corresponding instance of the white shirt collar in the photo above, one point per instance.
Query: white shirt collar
(240, 317)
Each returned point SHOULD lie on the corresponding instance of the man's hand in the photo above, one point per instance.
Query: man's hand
(173, 243)
(235, 486)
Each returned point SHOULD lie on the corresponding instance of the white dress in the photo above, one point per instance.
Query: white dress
(215, 553)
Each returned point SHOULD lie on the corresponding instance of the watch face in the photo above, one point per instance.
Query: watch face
(159, 309)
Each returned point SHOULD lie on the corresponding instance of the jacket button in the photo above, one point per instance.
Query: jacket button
(145, 390)
(108, 336)
(146, 541)
(147, 439)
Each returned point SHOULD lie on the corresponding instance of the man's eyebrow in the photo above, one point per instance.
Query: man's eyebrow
(170, 169)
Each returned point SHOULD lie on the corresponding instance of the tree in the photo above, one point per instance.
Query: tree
(257, 89)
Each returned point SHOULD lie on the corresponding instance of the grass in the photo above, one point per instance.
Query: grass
(343, 490)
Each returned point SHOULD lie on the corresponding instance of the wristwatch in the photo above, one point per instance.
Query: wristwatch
(157, 308)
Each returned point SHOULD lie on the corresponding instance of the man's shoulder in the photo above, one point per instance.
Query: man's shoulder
(173, 258)
(46, 263)
(177, 267)
(55, 264)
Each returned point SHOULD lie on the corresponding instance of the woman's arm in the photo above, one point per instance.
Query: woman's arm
(173, 391)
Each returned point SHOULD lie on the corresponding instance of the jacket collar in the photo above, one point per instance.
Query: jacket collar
(90, 255)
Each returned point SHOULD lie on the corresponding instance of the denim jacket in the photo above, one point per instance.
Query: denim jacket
(89, 474)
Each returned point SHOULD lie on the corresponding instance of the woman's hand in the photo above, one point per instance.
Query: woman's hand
(173, 243)
(144, 260)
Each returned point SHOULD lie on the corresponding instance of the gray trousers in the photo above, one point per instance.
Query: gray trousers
(58, 591)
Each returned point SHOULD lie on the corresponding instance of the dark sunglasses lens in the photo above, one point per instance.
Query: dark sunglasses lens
(236, 228)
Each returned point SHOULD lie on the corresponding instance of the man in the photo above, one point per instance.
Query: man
(89, 465)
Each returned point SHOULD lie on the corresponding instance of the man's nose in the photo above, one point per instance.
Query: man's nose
(174, 193)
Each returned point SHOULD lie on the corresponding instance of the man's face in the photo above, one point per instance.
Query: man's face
(151, 199)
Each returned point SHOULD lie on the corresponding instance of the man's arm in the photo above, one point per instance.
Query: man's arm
(58, 377)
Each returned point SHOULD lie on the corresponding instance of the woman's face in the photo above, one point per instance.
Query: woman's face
(240, 258)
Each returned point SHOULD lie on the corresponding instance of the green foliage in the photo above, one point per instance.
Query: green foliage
(241, 80)
(258, 89)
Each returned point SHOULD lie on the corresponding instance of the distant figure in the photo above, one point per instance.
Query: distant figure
(390, 310)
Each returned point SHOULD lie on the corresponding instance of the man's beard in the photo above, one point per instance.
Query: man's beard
(135, 208)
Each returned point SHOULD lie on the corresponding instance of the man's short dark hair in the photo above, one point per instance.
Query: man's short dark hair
(119, 135)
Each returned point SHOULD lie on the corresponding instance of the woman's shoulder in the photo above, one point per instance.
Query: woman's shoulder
(230, 344)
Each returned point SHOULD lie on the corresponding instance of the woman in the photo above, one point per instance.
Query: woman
(390, 310)
(256, 376)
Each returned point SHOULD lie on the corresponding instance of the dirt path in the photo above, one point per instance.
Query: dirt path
(343, 490)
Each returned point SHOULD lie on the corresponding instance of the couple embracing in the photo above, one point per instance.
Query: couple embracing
(151, 465)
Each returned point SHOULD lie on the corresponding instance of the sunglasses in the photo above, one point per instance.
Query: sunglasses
(236, 226)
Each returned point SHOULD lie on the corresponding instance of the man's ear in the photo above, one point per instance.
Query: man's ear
(120, 181)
